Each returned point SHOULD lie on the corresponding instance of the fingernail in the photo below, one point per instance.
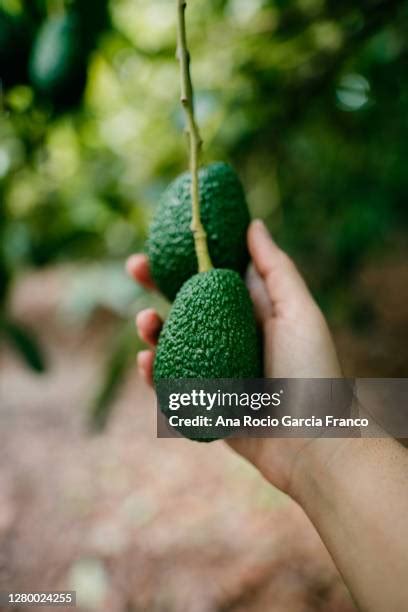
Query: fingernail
(139, 318)
(128, 266)
(261, 227)
(133, 261)
(130, 262)
(146, 312)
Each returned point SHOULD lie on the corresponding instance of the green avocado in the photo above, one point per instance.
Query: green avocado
(224, 215)
(210, 333)
(58, 63)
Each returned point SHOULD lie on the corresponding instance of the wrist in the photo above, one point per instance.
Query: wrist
(320, 460)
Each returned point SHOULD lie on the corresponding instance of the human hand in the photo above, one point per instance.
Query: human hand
(361, 519)
(297, 342)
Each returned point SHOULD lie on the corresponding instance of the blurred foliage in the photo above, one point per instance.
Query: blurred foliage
(307, 98)
(25, 344)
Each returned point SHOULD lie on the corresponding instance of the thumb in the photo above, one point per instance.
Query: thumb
(285, 286)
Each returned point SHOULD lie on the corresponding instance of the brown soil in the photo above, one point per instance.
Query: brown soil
(135, 523)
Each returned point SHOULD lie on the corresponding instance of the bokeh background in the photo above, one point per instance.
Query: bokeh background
(308, 99)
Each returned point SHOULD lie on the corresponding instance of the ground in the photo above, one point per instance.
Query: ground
(134, 523)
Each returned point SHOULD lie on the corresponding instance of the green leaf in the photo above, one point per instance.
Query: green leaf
(26, 344)
(123, 354)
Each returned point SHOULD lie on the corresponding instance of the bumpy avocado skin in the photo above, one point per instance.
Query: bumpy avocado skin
(210, 331)
(224, 215)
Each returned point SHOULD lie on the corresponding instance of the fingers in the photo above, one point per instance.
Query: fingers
(148, 322)
(263, 306)
(148, 325)
(145, 360)
(137, 267)
(285, 286)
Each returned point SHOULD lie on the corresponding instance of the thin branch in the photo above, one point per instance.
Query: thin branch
(187, 101)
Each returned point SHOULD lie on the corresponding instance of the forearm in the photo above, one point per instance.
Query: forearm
(356, 494)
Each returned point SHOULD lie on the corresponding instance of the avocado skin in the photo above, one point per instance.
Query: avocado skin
(210, 331)
(58, 62)
(224, 215)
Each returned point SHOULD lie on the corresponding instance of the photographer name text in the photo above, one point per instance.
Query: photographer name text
(269, 422)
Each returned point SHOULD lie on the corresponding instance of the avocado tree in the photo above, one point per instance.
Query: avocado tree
(306, 99)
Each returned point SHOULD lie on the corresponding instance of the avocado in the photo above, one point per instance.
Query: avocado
(224, 215)
(210, 331)
(58, 63)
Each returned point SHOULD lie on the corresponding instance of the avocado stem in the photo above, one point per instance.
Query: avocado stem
(187, 101)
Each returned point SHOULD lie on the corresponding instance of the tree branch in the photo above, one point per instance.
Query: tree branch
(187, 101)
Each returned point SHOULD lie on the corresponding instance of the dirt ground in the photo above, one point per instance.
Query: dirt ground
(134, 523)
